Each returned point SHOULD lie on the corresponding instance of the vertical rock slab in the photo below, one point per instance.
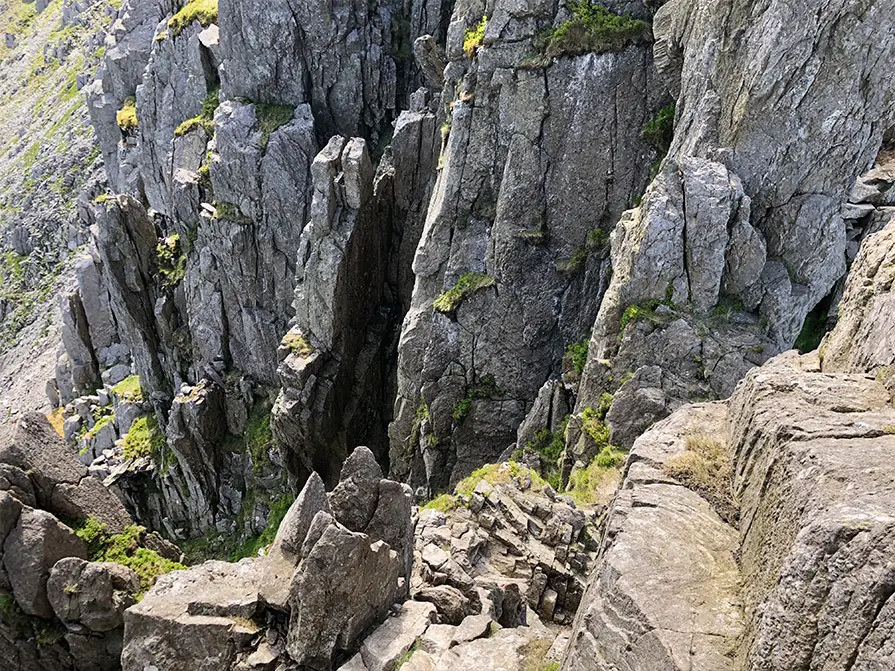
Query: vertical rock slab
(525, 187)
(813, 474)
(329, 615)
(665, 594)
(864, 338)
(332, 365)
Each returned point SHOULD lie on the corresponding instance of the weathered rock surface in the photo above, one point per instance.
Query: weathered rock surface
(666, 592)
(32, 547)
(802, 581)
(92, 594)
(59, 483)
(527, 189)
(744, 214)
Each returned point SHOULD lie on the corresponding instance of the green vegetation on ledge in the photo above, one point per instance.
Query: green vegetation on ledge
(205, 119)
(126, 549)
(129, 389)
(126, 117)
(203, 11)
(659, 131)
(271, 117)
(594, 29)
(473, 38)
(144, 439)
(171, 260)
(576, 355)
(298, 344)
(493, 474)
(258, 436)
(466, 286)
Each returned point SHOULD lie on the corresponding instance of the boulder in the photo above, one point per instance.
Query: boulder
(201, 618)
(92, 594)
(32, 548)
(343, 587)
(285, 552)
(452, 605)
(354, 499)
(382, 649)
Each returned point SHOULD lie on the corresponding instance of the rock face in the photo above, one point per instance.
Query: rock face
(743, 214)
(801, 581)
(59, 611)
(530, 184)
(667, 568)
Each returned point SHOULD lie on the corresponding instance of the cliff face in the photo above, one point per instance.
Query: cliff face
(768, 517)
(461, 233)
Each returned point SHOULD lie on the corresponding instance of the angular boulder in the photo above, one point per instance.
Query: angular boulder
(32, 548)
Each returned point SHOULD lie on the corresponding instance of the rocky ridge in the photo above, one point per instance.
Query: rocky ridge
(333, 226)
(798, 577)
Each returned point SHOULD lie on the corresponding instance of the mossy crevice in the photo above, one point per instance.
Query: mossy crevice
(486, 387)
(474, 37)
(203, 11)
(126, 117)
(170, 260)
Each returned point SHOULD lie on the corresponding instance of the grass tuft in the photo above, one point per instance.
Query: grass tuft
(594, 29)
(473, 38)
(205, 119)
(126, 549)
(170, 260)
(297, 344)
(271, 117)
(126, 117)
(466, 286)
(203, 11)
(705, 468)
(144, 439)
(576, 355)
(129, 389)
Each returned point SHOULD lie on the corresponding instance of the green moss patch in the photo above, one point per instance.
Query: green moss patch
(259, 436)
(126, 549)
(659, 131)
(205, 119)
(576, 355)
(486, 387)
(126, 117)
(170, 260)
(297, 344)
(473, 38)
(144, 439)
(594, 29)
(588, 486)
(203, 11)
(466, 286)
(271, 117)
(444, 503)
(129, 389)
(495, 474)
